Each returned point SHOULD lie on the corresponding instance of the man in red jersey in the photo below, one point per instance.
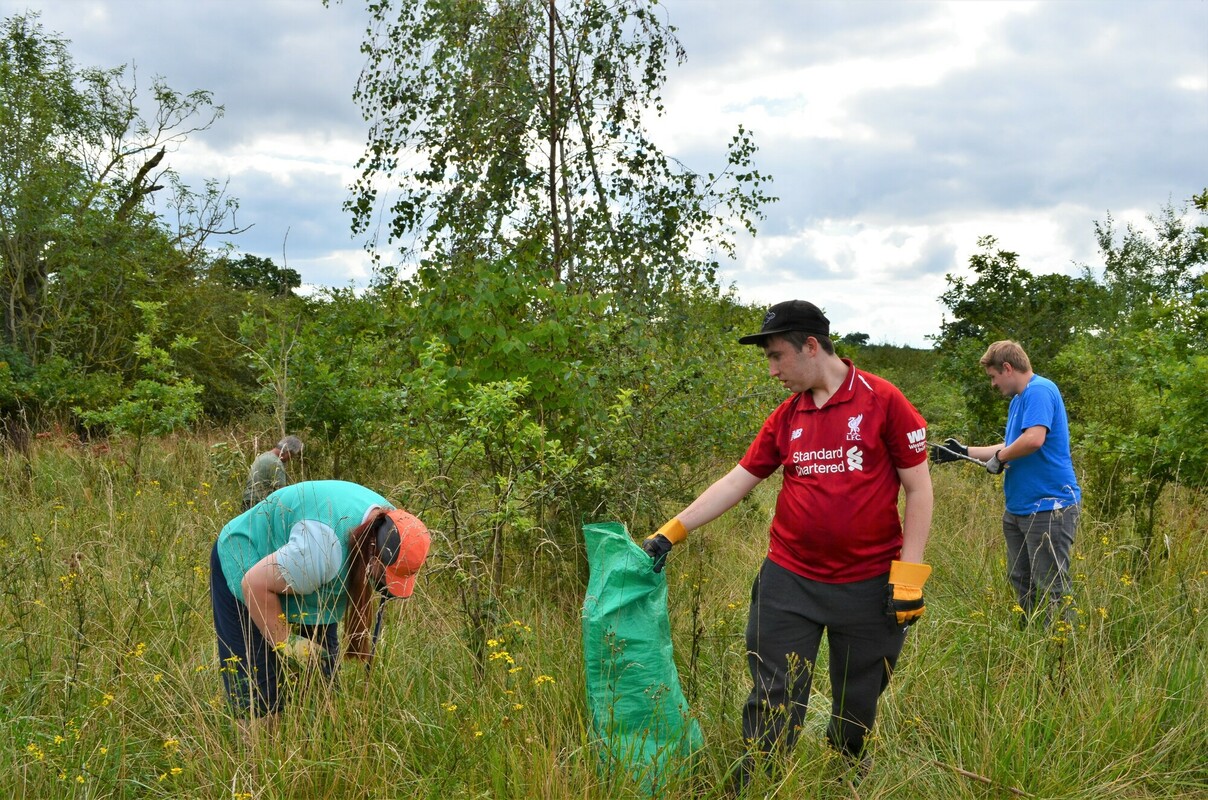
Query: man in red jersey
(840, 559)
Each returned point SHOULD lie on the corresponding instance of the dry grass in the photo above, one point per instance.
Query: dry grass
(110, 687)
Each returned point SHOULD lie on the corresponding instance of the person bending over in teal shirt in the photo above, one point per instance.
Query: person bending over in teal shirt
(284, 572)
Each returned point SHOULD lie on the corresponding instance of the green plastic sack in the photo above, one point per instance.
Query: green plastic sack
(639, 717)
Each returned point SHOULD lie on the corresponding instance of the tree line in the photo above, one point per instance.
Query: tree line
(561, 349)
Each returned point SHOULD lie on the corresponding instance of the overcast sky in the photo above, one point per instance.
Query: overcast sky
(897, 132)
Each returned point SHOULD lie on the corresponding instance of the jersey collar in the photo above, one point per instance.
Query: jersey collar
(845, 392)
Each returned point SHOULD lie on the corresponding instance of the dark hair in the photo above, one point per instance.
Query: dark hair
(357, 635)
(798, 339)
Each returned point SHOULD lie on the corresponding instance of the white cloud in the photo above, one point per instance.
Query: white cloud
(885, 279)
(814, 101)
(897, 132)
(1192, 83)
(282, 156)
(336, 268)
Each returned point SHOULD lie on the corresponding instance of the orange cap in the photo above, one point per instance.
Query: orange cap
(402, 546)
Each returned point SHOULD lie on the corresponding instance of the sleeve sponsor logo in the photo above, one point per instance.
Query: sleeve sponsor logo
(917, 440)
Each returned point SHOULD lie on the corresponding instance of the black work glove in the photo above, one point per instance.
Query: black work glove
(994, 466)
(657, 547)
(948, 453)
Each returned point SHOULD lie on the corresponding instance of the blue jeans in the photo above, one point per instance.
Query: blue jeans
(1038, 561)
(251, 668)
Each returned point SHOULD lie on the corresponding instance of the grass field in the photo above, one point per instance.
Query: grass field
(109, 683)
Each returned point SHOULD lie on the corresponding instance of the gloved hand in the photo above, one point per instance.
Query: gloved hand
(302, 651)
(904, 594)
(948, 453)
(993, 465)
(660, 544)
(657, 547)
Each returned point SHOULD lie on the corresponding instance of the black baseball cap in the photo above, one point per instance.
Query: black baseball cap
(791, 315)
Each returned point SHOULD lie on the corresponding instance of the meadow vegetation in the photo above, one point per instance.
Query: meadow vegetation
(549, 346)
(111, 688)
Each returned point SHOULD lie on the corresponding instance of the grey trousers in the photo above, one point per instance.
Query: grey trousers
(784, 630)
(1038, 561)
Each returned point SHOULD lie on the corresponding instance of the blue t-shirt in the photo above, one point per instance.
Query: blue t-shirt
(1044, 480)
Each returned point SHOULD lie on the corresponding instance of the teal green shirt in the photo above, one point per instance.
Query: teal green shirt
(267, 526)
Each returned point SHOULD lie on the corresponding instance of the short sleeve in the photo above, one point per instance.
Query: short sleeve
(1039, 408)
(763, 457)
(310, 558)
(906, 432)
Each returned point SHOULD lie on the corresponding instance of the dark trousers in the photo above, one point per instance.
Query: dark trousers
(1038, 562)
(784, 630)
(251, 669)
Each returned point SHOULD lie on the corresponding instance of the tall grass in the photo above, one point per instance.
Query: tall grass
(110, 686)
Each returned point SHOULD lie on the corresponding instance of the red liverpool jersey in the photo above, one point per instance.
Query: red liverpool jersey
(836, 516)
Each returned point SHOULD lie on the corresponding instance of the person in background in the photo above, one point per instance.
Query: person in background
(840, 560)
(283, 573)
(267, 474)
(1043, 499)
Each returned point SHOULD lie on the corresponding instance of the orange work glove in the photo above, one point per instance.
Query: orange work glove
(904, 594)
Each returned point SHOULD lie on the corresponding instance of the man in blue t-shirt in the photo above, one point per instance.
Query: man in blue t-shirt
(1043, 498)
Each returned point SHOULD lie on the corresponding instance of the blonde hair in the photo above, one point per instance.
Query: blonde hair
(1006, 352)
